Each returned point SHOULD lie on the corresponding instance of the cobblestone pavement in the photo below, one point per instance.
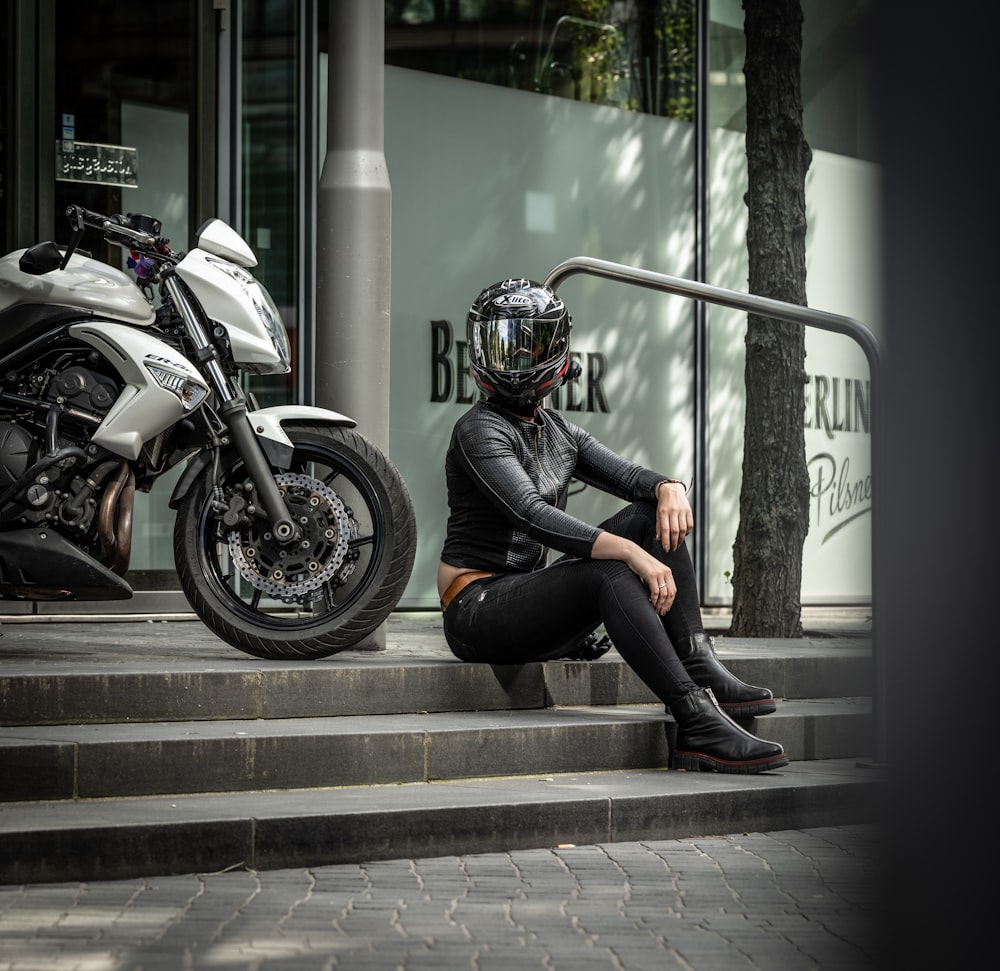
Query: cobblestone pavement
(782, 901)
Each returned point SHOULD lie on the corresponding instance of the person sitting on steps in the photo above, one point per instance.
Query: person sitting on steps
(508, 469)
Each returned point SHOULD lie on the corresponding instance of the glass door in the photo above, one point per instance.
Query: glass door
(125, 102)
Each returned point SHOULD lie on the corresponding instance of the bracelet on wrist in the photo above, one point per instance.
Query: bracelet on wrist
(656, 488)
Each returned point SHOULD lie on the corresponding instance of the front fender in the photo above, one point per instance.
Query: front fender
(266, 423)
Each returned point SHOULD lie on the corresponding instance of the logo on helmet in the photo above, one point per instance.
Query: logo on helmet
(513, 300)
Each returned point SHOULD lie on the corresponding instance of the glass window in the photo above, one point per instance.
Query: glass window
(270, 176)
(6, 87)
(631, 54)
(124, 78)
(837, 78)
(125, 85)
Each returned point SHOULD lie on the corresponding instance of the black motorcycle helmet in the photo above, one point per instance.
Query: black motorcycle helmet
(518, 339)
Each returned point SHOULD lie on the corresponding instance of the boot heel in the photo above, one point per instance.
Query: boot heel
(685, 761)
(708, 740)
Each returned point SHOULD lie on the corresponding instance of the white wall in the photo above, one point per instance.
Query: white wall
(489, 182)
(842, 277)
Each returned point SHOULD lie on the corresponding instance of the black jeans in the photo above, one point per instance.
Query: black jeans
(513, 618)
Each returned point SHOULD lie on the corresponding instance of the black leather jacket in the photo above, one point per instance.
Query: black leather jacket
(508, 480)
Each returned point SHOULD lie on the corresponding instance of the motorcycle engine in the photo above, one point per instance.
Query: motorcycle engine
(17, 451)
(79, 387)
(84, 397)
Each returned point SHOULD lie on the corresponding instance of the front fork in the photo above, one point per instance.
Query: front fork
(232, 409)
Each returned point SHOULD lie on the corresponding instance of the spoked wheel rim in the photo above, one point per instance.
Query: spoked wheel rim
(343, 539)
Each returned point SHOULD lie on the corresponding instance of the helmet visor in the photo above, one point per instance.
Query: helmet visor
(518, 343)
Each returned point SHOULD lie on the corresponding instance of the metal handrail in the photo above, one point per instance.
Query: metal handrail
(793, 313)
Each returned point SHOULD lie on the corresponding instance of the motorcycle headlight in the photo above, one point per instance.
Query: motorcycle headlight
(249, 349)
(270, 317)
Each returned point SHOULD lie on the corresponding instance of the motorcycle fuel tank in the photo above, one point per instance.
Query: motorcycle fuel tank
(85, 284)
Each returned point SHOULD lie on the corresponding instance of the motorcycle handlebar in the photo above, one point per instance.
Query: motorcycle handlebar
(79, 217)
(134, 231)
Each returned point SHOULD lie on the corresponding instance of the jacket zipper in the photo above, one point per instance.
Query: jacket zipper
(537, 432)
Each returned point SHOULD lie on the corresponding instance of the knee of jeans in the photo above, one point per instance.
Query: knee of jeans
(636, 522)
(616, 572)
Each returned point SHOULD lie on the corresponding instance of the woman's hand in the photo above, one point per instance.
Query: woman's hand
(674, 518)
(658, 578)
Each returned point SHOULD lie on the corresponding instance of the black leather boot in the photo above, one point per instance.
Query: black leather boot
(741, 700)
(708, 739)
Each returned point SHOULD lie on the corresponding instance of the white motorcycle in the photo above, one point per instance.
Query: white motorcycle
(294, 535)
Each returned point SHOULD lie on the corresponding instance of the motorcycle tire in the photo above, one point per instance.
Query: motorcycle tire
(334, 587)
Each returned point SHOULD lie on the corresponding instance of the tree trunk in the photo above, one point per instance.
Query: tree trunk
(774, 497)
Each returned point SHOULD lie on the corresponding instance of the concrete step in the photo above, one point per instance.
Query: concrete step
(136, 749)
(128, 682)
(105, 839)
(138, 759)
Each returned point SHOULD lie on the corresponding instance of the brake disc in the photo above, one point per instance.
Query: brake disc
(293, 572)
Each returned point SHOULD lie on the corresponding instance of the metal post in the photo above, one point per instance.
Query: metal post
(807, 317)
(353, 228)
(699, 496)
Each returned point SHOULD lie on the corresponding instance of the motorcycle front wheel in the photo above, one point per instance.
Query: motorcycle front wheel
(330, 589)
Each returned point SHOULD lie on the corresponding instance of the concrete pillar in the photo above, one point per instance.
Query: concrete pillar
(353, 226)
(353, 232)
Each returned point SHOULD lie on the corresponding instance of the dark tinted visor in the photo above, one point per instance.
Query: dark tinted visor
(517, 343)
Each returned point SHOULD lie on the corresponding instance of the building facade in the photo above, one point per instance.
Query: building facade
(517, 135)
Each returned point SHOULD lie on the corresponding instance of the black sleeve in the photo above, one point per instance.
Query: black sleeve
(603, 469)
(489, 451)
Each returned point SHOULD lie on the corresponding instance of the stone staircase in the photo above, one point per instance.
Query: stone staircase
(136, 749)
